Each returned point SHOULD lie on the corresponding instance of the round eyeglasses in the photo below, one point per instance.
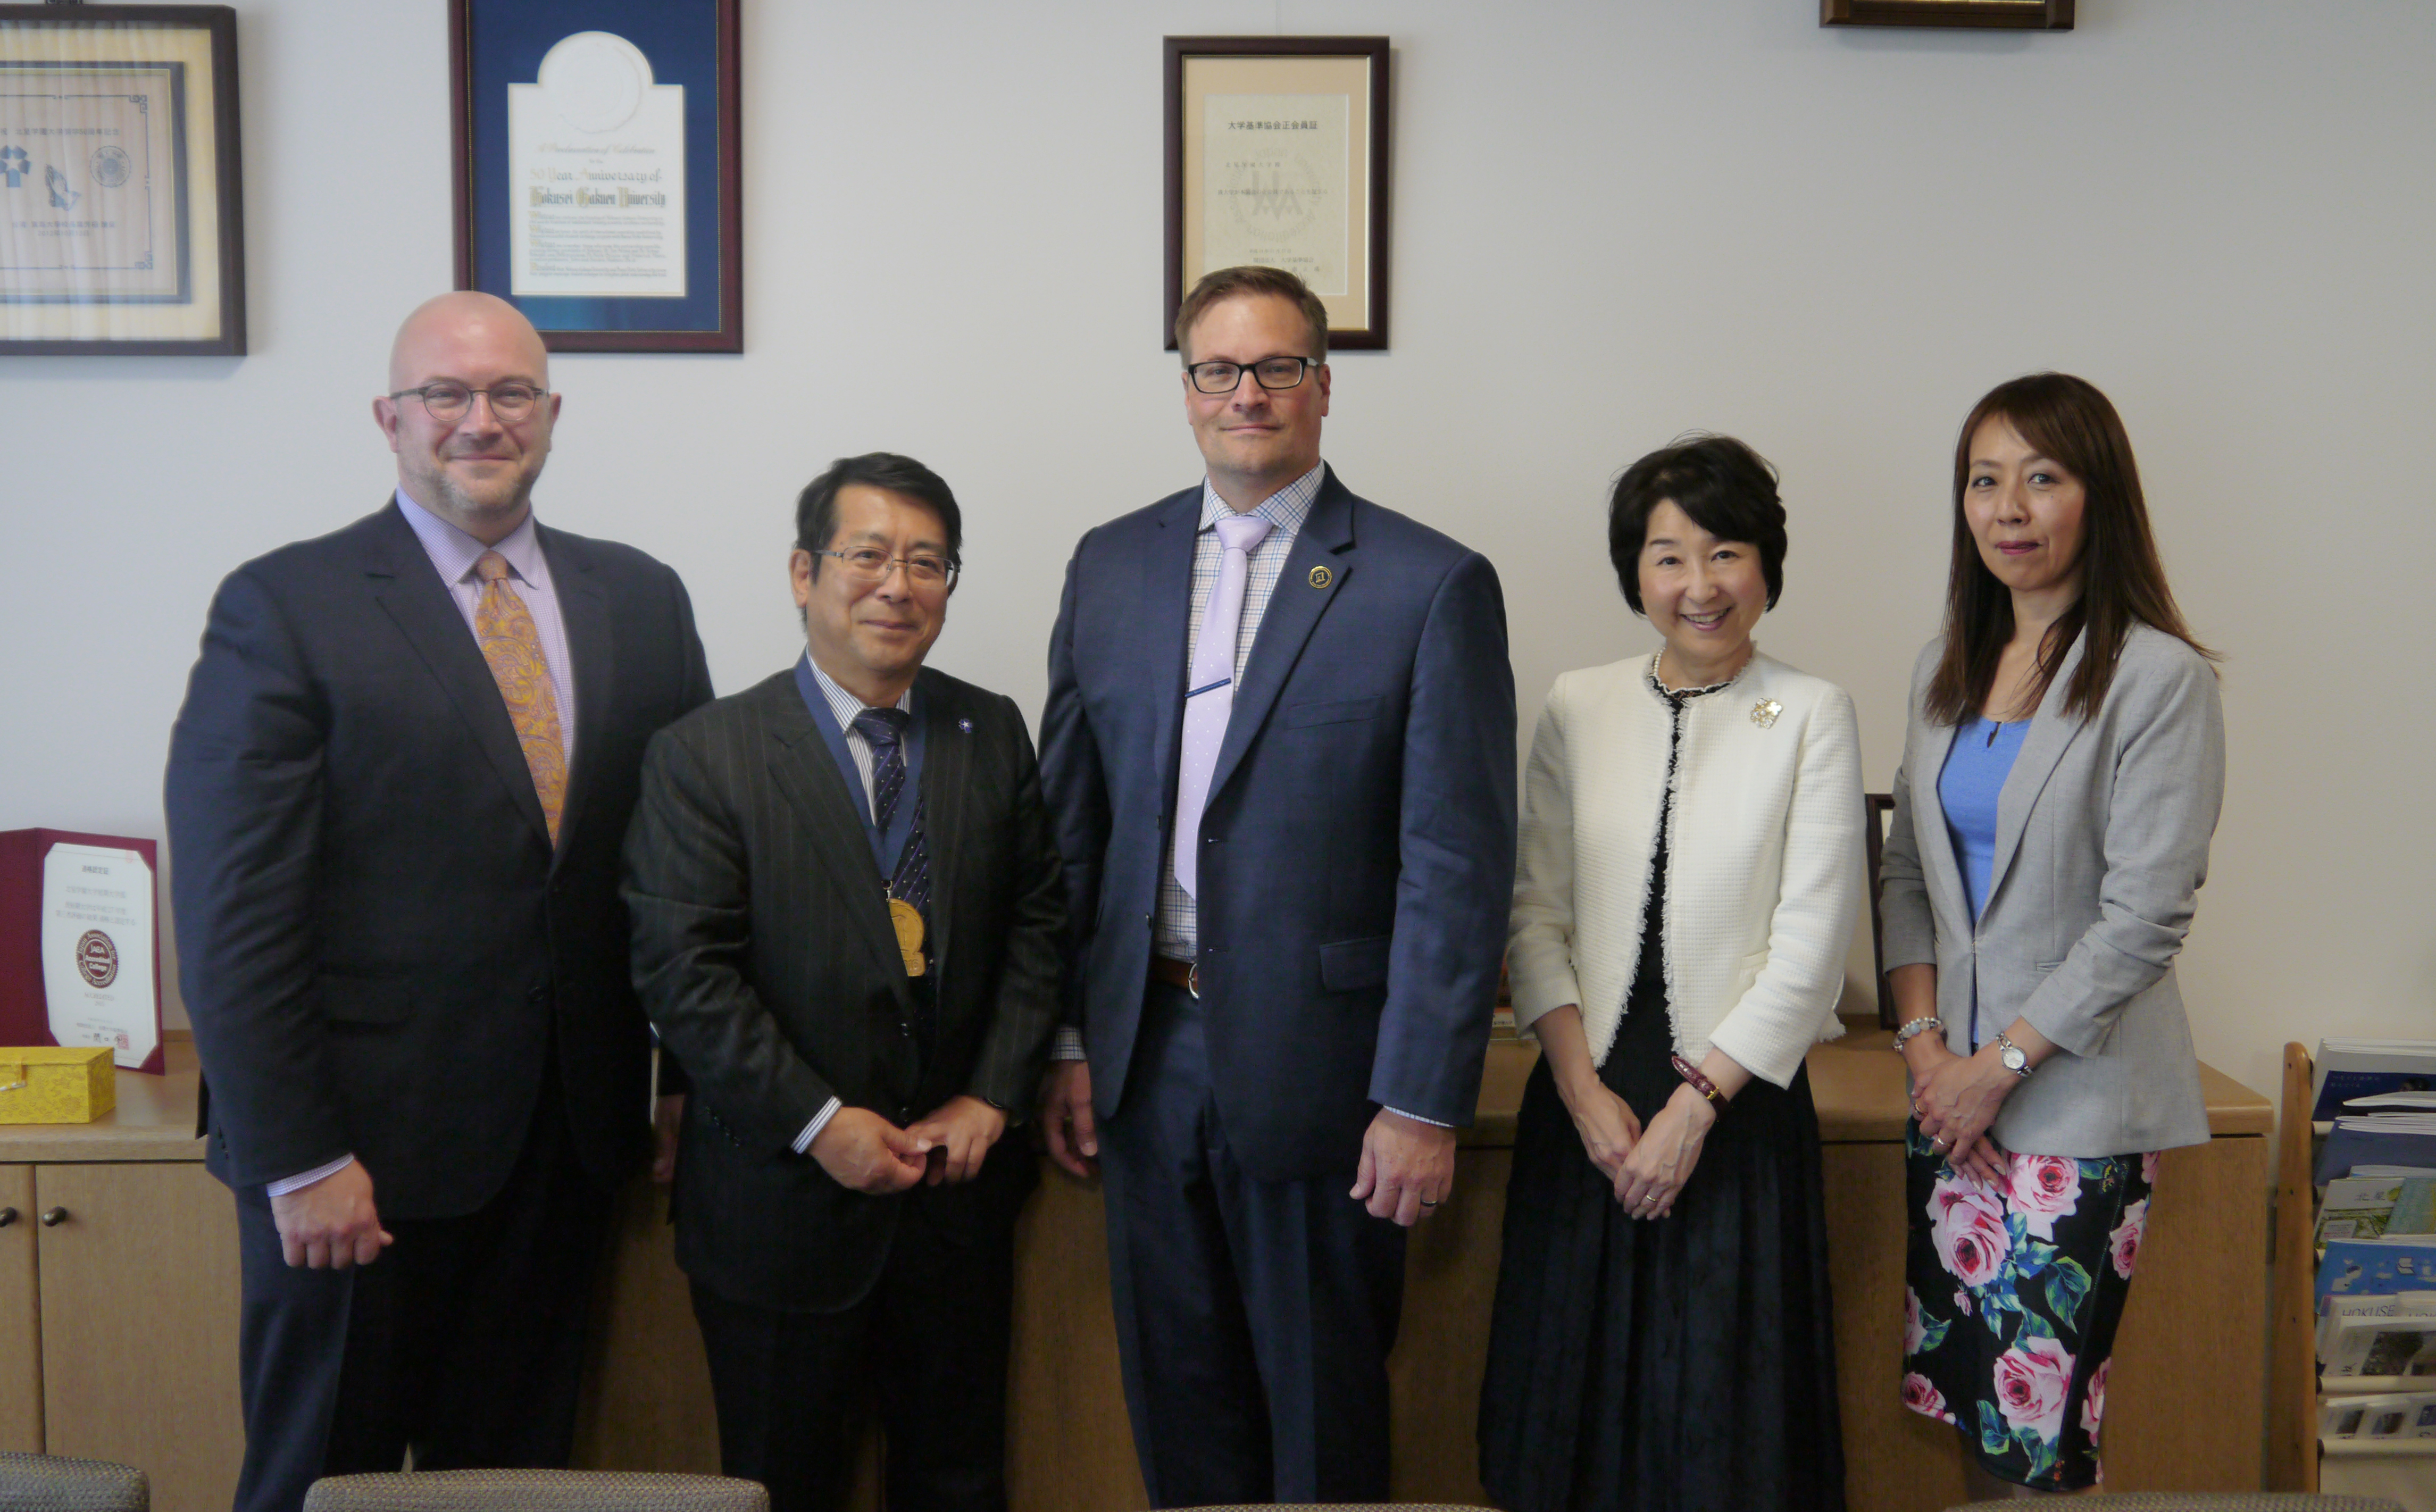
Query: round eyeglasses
(1269, 373)
(448, 402)
(872, 565)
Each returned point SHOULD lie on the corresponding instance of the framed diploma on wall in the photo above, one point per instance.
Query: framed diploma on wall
(596, 168)
(121, 229)
(1276, 154)
(2027, 15)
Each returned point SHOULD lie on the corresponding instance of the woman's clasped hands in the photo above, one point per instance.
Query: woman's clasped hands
(1955, 1098)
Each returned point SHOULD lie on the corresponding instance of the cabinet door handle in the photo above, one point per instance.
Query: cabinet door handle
(7, 1216)
(54, 1217)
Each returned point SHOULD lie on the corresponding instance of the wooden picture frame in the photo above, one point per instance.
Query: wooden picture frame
(2024, 15)
(1306, 186)
(122, 229)
(595, 146)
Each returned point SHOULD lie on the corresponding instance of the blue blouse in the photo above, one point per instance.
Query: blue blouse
(1974, 777)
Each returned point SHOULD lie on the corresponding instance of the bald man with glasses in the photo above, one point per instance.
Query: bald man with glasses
(396, 792)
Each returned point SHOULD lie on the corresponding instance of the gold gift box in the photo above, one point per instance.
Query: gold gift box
(62, 1084)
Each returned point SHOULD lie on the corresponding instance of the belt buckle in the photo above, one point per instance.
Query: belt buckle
(1192, 981)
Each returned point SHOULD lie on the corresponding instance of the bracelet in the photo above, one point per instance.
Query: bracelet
(1698, 1083)
(1916, 1026)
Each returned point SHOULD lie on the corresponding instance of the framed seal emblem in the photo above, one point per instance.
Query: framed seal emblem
(96, 959)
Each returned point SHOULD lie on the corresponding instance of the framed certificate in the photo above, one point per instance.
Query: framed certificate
(2029, 16)
(596, 170)
(1276, 154)
(120, 218)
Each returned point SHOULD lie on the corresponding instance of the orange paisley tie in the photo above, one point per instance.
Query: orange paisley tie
(512, 644)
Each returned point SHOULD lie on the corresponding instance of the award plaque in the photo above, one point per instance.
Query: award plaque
(80, 943)
(120, 204)
(596, 168)
(1276, 154)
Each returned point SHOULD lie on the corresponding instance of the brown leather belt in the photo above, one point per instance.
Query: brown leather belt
(1175, 973)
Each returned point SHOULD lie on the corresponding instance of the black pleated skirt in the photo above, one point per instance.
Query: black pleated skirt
(1677, 1365)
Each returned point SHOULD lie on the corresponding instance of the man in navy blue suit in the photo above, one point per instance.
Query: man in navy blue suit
(396, 793)
(1279, 751)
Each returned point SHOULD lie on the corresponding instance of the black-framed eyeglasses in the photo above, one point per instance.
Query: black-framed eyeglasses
(447, 402)
(872, 565)
(1269, 373)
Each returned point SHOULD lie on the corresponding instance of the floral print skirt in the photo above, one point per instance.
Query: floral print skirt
(2013, 1295)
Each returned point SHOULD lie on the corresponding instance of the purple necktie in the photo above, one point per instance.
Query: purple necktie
(1210, 692)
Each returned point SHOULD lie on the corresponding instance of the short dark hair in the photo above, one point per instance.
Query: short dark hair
(1728, 489)
(1249, 280)
(2072, 425)
(816, 506)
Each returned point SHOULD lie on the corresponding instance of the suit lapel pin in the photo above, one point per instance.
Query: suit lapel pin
(1764, 713)
(1321, 577)
(966, 726)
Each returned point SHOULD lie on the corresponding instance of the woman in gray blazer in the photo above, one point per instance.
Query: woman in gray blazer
(2061, 774)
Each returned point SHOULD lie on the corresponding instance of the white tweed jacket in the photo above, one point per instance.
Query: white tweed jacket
(1764, 880)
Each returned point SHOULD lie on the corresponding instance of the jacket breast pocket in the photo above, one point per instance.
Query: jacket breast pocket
(1335, 711)
(1352, 966)
(363, 1000)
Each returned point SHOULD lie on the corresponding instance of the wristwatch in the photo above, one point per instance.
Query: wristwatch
(2012, 1056)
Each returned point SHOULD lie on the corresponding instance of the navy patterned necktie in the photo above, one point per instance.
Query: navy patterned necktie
(886, 730)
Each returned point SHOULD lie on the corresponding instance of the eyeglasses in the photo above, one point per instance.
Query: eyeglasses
(872, 565)
(1269, 373)
(448, 402)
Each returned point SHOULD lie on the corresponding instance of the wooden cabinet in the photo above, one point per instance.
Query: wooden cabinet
(20, 1316)
(118, 1325)
(118, 1294)
(2185, 1410)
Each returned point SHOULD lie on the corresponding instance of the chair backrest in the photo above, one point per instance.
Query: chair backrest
(1880, 806)
(533, 1491)
(2208, 1502)
(1343, 1507)
(46, 1483)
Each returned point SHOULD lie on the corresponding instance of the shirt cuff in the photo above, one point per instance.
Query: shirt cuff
(1417, 1117)
(1069, 1045)
(304, 1179)
(820, 1121)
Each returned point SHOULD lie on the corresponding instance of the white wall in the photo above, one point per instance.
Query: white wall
(1614, 219)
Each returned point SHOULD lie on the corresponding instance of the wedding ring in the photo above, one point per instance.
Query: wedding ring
(1937, 1143)
(1429, 1202)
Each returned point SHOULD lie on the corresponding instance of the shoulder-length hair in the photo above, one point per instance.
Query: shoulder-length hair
(2070, 422)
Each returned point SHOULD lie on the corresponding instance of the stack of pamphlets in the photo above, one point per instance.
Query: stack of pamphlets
(2392, 1333)
(2348, 1068)
(2379, 1202)
(2395, 1415)
(2379, 1096)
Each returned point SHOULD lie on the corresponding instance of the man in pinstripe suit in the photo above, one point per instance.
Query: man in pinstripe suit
(848, 918)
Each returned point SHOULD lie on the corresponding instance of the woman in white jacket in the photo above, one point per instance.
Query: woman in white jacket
(1689, 875)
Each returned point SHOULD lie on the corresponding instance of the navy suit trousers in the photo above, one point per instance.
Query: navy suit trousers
(1253, 1317)
(464, 1340)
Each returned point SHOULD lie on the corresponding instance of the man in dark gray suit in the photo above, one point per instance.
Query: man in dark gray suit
(848, 918)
